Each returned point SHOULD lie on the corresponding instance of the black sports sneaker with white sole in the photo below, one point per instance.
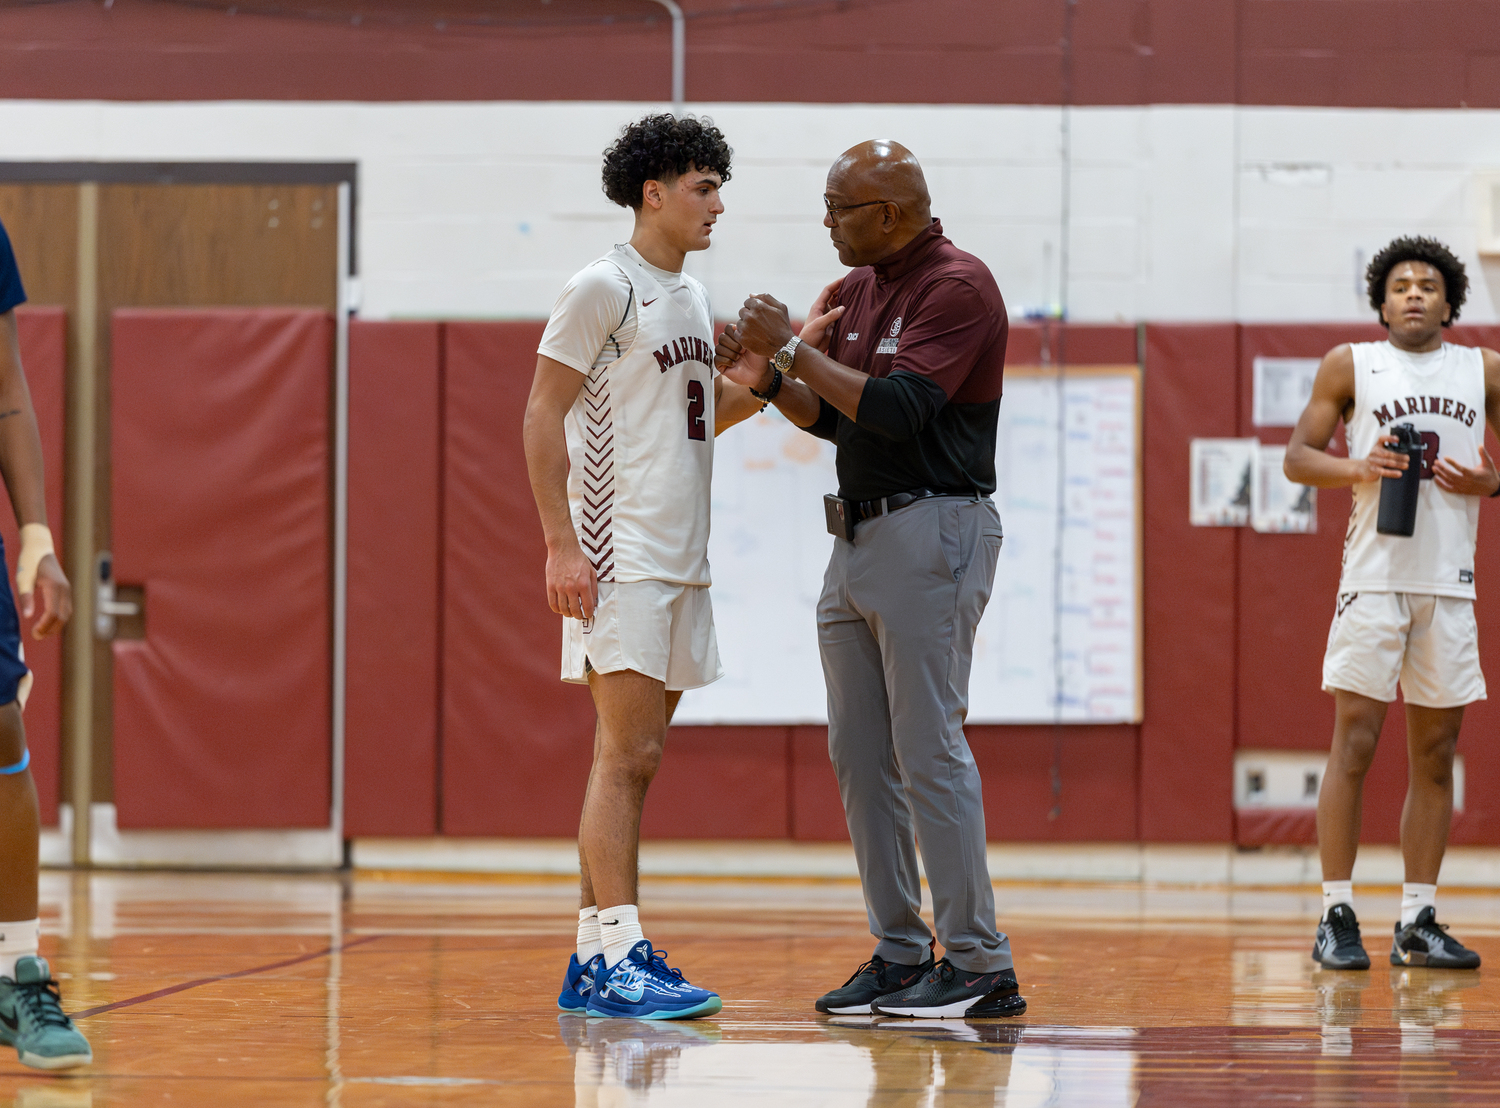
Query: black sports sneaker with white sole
(1337, 945)
(873, 980)
(1427, 943)
(948, 992)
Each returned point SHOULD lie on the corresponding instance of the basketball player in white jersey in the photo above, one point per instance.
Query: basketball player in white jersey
(1405, 611)
(619, 438)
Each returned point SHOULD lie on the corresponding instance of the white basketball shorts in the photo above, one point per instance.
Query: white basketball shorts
(1430, 644)
(663, 630)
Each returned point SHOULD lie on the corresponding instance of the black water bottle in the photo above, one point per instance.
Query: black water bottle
(1398, 495)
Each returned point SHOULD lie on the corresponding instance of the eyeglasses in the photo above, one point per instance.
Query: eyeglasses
(834, 211)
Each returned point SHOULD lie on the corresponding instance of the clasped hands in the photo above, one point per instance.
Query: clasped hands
(746, 347)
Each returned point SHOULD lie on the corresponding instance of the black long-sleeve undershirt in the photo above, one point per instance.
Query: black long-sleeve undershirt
(896, 407)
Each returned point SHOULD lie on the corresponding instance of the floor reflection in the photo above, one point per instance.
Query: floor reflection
(857, 1061)
(272, 990)
(1424, 1060)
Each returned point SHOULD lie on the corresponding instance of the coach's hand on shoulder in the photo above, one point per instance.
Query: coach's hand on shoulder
(825, 309)
(572, 584)
(1481, 480)
(765, 325)
(819, 329)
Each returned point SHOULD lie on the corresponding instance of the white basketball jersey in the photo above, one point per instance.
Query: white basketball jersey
(641, 442)
(1441, 394)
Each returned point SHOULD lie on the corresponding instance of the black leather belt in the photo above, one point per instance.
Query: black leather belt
(869, 509)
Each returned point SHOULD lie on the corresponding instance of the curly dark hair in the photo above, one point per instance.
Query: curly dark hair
(662, 148)
(1418, 249)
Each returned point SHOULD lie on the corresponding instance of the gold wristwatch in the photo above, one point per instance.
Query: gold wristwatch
(786, 355)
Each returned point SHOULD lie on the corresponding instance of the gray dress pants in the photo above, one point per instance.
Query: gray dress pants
(896, 625)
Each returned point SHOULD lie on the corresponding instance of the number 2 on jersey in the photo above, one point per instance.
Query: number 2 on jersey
(1430, 455)
(696, 427)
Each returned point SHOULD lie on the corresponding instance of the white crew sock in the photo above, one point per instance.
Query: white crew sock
(589, 943)
(1337, 892)
(620, 928)
(16, 941)
(1414, 898)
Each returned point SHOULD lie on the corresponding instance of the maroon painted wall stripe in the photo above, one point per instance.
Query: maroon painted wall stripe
(1331, 53)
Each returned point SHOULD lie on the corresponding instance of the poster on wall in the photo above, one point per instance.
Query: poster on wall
(1283, 387)
(1220, 485)
(1278, 505)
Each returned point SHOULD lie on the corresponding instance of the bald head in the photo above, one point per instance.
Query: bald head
(878, 170)
(891, 170)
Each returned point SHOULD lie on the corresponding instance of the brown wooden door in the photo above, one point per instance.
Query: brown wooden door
(155, 245)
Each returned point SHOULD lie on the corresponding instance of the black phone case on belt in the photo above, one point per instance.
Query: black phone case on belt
(839, 514)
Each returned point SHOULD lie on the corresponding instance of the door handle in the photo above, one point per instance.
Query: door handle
(106, 607)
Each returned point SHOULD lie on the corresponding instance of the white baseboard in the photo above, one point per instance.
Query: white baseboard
(315, 848)
(1159, 864)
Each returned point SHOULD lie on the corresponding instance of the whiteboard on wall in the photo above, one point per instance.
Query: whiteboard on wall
(1047, 649)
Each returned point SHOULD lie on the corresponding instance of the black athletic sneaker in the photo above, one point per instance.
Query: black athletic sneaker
(1427, 943)
(871, 981)
(1337, 945)
(948, 992)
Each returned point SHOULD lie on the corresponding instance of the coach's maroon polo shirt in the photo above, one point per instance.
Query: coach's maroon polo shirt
(929, 327)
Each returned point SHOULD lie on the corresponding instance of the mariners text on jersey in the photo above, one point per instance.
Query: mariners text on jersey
(689, 348)
(1425, 405)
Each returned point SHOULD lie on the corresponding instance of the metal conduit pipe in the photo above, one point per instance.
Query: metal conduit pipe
(679, 53)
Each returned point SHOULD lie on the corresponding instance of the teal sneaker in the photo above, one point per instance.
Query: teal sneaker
(32, 1019)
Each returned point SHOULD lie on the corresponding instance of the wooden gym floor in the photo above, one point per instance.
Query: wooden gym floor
(201, 989)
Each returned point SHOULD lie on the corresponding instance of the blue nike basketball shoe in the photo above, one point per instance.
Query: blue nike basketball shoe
(578, 983)
(644, 987)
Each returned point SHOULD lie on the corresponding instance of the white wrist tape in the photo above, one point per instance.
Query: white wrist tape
(36, 544)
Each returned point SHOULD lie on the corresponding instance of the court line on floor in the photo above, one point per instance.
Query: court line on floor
(170, 989)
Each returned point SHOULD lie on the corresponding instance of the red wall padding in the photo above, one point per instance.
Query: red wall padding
(221, 510)
(1234, 627)
(391, 746)
(721, 783)
(44, 357)
(517, 743)
(1187, 738)
(1097, 800)
(1070, 344)
(817, 813)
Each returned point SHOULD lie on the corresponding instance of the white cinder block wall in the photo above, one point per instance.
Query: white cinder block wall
(1176, 213)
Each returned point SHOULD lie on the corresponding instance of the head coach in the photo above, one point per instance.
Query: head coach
(900, 365)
